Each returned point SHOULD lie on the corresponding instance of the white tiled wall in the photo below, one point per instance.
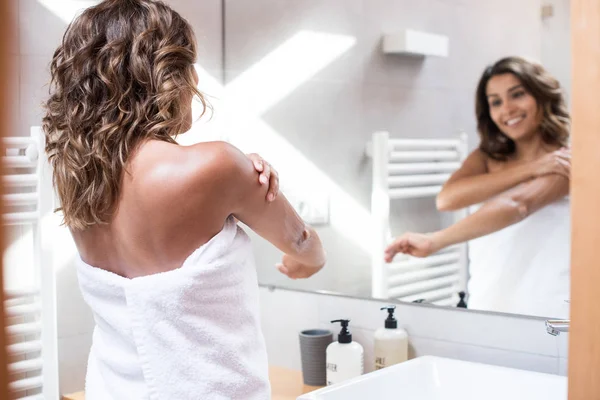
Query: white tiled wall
(504, 340)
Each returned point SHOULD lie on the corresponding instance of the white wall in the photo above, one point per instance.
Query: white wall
(328, 117)
(41, 24)
(499, 339)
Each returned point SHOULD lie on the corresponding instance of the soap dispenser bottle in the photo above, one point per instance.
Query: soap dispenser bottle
(391, 342)
(344, 358)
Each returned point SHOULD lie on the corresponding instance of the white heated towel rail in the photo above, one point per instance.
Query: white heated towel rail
(31, 307)
(405, 169)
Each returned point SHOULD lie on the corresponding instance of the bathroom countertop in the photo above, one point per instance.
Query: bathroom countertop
(286, 384)
(74, 396)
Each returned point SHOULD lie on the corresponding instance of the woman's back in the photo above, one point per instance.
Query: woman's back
(168, 274)
(172, 285)
(189, 333)
(171, 277)
(169, 206)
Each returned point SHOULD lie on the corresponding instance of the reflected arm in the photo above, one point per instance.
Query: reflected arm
(505, 210)
(473, 184)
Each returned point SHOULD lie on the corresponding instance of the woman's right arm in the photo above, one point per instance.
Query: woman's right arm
(473, 183)
(505, 210)
(275, 221)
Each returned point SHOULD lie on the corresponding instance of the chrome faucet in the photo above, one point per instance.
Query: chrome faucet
(556, 326)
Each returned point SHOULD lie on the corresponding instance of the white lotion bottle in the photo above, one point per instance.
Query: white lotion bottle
(391, 342)
(345, 358)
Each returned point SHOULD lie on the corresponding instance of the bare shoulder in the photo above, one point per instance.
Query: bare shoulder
(479, 157)
(476, 163)
(164, 174)
(170, 164)
(218, 162)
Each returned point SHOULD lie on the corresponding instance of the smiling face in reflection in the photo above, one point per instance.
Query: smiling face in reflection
(512, 108)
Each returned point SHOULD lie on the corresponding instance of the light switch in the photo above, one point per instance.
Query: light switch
(313, 208)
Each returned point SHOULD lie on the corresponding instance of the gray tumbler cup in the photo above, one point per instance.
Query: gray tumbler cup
(313, 343)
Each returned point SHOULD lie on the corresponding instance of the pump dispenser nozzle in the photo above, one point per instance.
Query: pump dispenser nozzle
(390, 322)
(462, 303)
(345, 336)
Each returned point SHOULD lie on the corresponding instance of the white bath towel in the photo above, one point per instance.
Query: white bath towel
(524, 268)
(190, 333)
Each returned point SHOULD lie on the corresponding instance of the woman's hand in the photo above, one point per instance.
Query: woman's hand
(267, 175)
(557, 162)
(414, 244)
(295, 270)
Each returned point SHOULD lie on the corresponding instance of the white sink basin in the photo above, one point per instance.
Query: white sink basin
(436, 378)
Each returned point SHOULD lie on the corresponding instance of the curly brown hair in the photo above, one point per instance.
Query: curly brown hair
(555, 126)
(120, 76)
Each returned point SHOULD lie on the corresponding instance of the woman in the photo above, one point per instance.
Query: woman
(522, 166)
(165, 269)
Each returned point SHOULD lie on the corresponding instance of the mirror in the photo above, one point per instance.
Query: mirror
(308, 83)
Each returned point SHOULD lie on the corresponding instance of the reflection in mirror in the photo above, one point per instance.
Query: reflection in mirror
(467, 128)
(516, 183)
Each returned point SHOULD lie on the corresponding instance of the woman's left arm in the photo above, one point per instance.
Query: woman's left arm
(505, 210)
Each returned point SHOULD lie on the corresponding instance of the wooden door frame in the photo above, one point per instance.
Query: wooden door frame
(584, 336)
